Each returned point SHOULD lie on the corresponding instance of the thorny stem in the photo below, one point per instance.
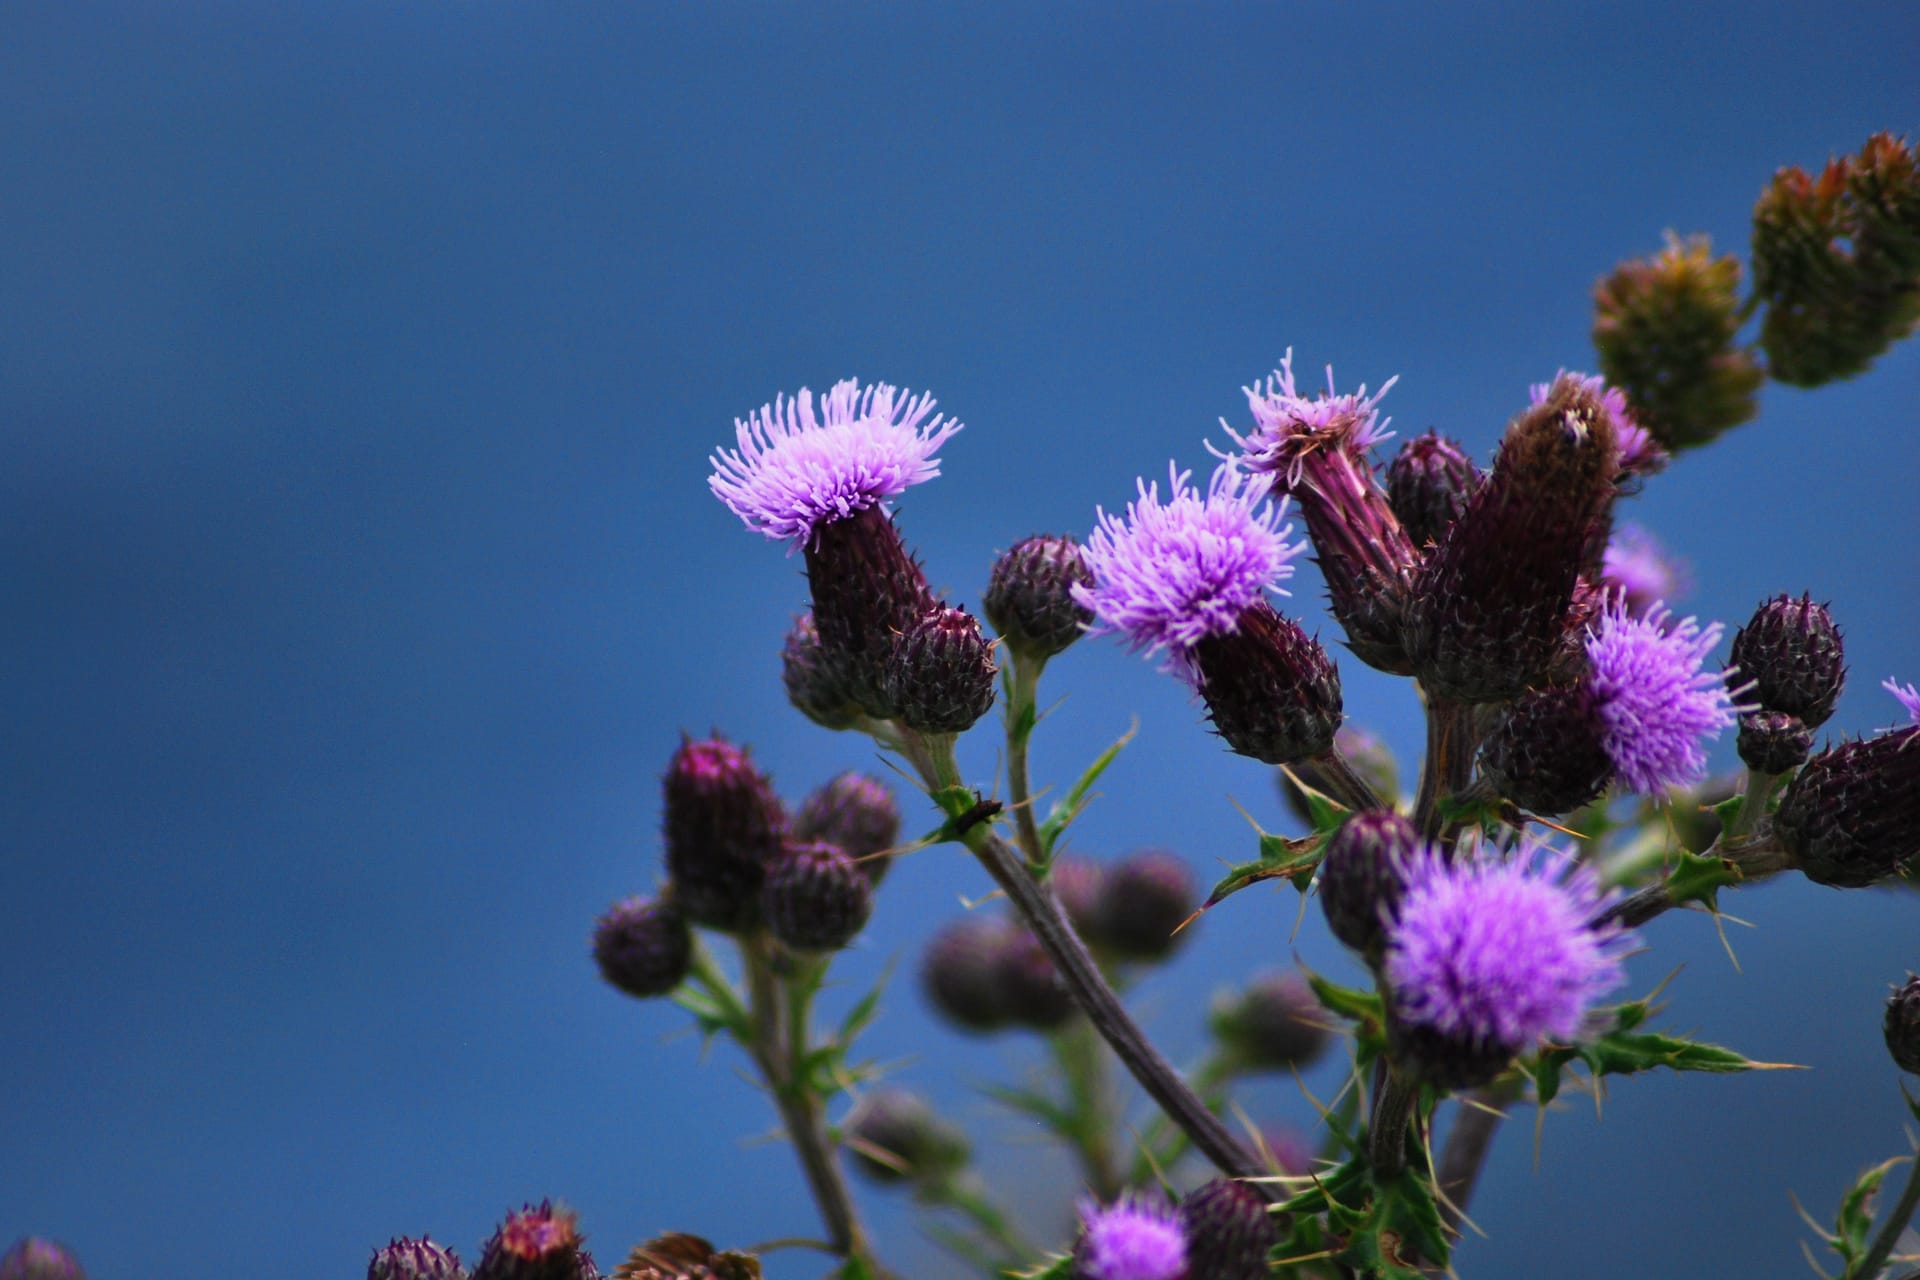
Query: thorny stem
(1022, 678)
(1448, 766)
(1343, 784)
(1749, 858)
(1393, 1108)
(1753, 803)
(1158, 1149)
(1869, 1265)
(964, 1194)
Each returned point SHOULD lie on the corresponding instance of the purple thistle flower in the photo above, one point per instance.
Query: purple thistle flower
(1640, 453)
(1288, 428)
(1131, 1239)
(1636, 565)
(1499, 952)
(1653, 702)
(794, 471)
(1171, 574)
(1908, 696)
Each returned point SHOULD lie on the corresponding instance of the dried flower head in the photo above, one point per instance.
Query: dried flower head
(1654, 703)
(1132, 1239)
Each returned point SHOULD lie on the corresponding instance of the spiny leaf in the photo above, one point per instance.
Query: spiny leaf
(1069, 807)
(1855, 1219)
(1698, 878)
(1623, 1051)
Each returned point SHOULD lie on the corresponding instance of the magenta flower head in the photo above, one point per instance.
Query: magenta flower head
(1640, 453)
(1489, 955)
(1132, 1239)
(1315, 450)
(1637, 566)
(422, 1259)
(1654, 704)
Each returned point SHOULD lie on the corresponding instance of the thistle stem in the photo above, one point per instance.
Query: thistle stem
(1882, 1248)
(1448, 766)
(1343, 783)
(1393, 1109)
(1750, 858)
(1022, 679)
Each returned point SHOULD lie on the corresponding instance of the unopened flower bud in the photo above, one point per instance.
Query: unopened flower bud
(857, 812)
(1275, 1024)
(867, 591)
(897, 1138)
(1429, 483)
(940, 676)
(961, 972)
(1902, 1025)
(1144, 898)
(643, 946)
(1272, 692)
(1369, 756)
(537, 1243)
(1792, 652)
(1361, 878)
(1546, 754)
(1773, 741)
(1076, 883)
(1229, 1231)
(1851, 816)
(1036, 996)
(816, 898)
(815, 686)
(405, 1259)
(1029, 597)
(37, 1259)
(723, 825)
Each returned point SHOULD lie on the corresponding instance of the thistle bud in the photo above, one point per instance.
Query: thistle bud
(961, 972)
(1144, 898)
(1030, 600)
(643, 946)
(723, 825)
(1902, 1026)
(1792, 652)
(1360, 877)
(405, 1259)
(1036, 996)
(1852, 815)
(1077, 884)
(897, 1138)
(1773, 741)
(856, 812)
(1546, 753)
(816, 898)
(1368, 755)
(815, 686)
(1664, 327)
(1429, 483)
(1229, 1231)
(867, 590)
(36, 1259)
(1275, 1024)
(940, 676)
(1272, 692)
(537, 1243)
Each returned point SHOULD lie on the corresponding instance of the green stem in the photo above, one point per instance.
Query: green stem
(1022, 679)
(1749, 858)
(1393, 1109)
(1753, 803)
(1870, 1262)
(1343, 783)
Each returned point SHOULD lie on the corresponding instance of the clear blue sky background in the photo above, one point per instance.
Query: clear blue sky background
(359, 364)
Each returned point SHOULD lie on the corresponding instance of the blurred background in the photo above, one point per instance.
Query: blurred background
(359, 366)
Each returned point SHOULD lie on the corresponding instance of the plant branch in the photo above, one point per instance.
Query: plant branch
(1340, 781)
(1022, 679)
(1448, 766)
(1393, 1108)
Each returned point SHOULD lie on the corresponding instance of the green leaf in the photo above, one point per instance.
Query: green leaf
(1698, 878)
(1280, 859)
(1855, 1219)
(861, 1016)
(710, 1015)
(1070, 806)
(1348, 1002)
(855, 1269)
(1623, 1051)
(1323, 810)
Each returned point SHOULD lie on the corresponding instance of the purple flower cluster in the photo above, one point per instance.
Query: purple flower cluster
(1653, 701)
(1288, 427)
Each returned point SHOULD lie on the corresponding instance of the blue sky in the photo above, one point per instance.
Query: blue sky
(359, 365)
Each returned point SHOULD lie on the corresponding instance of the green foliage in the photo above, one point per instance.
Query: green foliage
(1074, 803)
(1384, 1227)
(1624, 1050)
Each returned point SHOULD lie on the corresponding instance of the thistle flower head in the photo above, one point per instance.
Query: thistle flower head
(1653, 702)
(1640, 453)
(34, 1258)
(1908, 696)
(405, 1259)
(1499, 952)
(1636, 565)
(1289, 427)
(795, 470)
(1131, 1239)
(1171, 573)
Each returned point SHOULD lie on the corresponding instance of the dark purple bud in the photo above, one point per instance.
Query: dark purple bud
(1229, 1231)
(1275, 1024)
(405, 1259)
(1143, 899)
(816, 898)
(857, 812)
(1902, 1026)
(940, 676)
(896, 1137)
(35, 1258)
(537, 1243)
(643, 946)
(815, 686)
(1272, 692)
(1545, 753)
(1030, 600)
(1036, 996)
(1369, 756)
(961, 972)
(1429, 483)
(1453, 1060)
(1792, 652)
(867, 590)
(1852, 815)
(1773, 741)
(1491, 602)
(1076, 883)
(723, 825)
(1361, 877)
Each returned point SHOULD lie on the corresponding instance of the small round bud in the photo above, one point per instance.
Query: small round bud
(405, 1259)
(856, 812)
(35, 1258)
(1361, 878)
(1428, 484)
(537, 1243)
(940, 676)
(723, 824)
(1144, 898)
(961, 972)
(1272, 692)
(1546, 754)
(643, 946)
(815, 686)
(1773, 741)
(1368, 755)
(1902, 1026)
(1029, 597)
(1229, 1231)
(1852, 815)
(816, 898)
(897, 1138)
(1077, 883)
(1036, 996)
(1792, 652)
(1275, 1024)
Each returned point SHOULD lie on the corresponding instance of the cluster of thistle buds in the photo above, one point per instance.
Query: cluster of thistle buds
(543, 1242)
